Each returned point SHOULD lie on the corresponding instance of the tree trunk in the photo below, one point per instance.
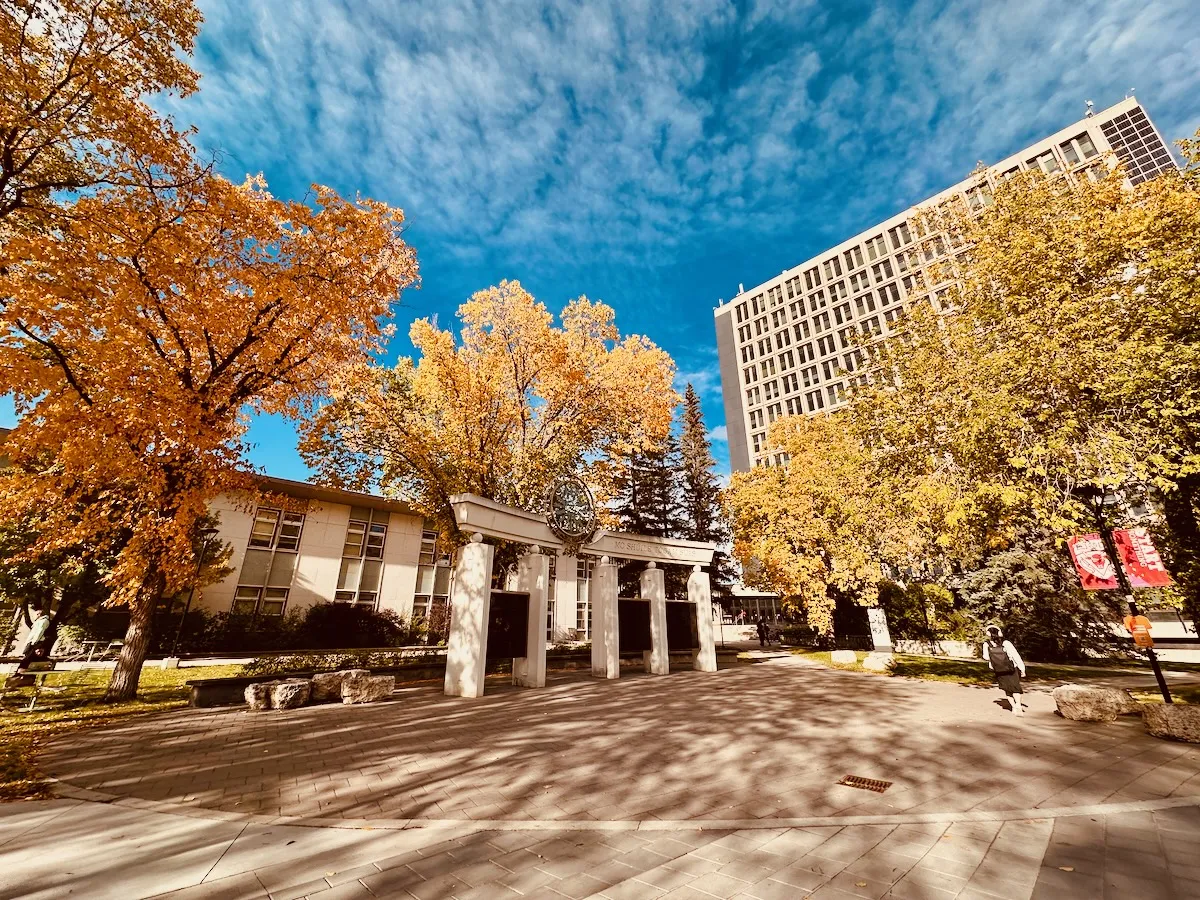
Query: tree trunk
(1182, 550)
(128, 671)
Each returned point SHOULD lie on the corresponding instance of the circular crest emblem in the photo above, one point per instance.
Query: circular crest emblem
(570, 511)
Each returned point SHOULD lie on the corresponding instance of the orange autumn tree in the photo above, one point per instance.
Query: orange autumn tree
(141, 329)
(72, 115)
(514, 403)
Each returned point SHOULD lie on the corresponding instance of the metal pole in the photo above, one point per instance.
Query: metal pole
(1110, 547)
(191, 594)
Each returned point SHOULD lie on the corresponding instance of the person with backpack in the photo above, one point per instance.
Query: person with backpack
(1004, 660)
(762, 631)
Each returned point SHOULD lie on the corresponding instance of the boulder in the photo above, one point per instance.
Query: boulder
(291, 693)
(878, 662)
(328, 685)
(1181, 723)
(367, 688)
(258, 696)
(1093, 704)
(843, 656)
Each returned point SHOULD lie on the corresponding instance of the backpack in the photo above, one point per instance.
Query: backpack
(1001, 664)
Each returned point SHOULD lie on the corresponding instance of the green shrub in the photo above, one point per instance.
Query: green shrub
(342, 625)
(329, 662)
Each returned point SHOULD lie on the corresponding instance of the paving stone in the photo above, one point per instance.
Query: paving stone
(351, 890)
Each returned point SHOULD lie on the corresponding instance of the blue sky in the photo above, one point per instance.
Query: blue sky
(654, 155)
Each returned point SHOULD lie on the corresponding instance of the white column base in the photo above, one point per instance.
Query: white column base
(533, 575)
(657, 659)
(466, 649)
(606, 652)
(700, 594)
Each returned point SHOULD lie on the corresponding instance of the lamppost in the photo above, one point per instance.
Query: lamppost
(1110, 547)
(205, 535)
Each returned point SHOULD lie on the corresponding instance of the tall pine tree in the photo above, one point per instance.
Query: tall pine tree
(700, 490)
(648, 491)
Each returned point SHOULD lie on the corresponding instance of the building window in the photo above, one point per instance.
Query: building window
(1047, 162)
(790, 385)
(900, 236)
(854, 258)
(979, 197)
(362, 557)
(815, 401)
(783, 339)
(876, 248)
(1137, 145)
(816, 301)
(270, 563)
(583, 600)
(431, 601)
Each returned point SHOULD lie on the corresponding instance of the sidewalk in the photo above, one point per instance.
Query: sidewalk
(692, 785)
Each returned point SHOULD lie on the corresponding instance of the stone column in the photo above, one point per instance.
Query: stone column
(470, 599)
(533, 575)
(654, 589)
(606, 658)
(699, 594)
(562, 597)
(881, 638)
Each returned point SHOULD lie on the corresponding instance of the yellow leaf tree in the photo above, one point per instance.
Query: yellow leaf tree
(818, 526)
(71, 109)
(1068, 357)
(515, 402)
(139, 332)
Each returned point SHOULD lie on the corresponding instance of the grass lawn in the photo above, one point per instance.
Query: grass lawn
(976, 672)
(72, 700)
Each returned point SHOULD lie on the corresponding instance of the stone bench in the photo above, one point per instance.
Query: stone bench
(347, 685)
(1082, 703)
(1179, 723)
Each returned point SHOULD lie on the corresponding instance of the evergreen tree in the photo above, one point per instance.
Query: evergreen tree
(648, 491)
(701, 491)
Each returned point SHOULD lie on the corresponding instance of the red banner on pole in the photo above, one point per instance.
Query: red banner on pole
(1096, 572)
(1139, 559)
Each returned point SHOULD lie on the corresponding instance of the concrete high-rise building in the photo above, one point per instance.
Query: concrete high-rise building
(785, 347)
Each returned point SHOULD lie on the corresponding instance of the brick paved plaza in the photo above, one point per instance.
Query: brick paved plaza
(688, 786)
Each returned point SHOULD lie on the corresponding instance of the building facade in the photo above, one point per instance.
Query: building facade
(787, 346)
(310, 544)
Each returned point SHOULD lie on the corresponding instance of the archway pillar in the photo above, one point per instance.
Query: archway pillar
(656, 659)
(606, 651)
(470, 602)
(533, 575)
(700, 594)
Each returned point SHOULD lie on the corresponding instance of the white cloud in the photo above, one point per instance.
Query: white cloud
(718, 434)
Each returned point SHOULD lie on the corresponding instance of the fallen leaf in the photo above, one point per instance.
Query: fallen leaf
(1067, 868)
(860, 884)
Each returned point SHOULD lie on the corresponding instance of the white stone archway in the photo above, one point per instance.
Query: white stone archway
(471, 595)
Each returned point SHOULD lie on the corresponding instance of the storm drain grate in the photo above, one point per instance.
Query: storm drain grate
(867, 784)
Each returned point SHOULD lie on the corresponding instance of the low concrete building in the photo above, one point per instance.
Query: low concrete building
(305, 544)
